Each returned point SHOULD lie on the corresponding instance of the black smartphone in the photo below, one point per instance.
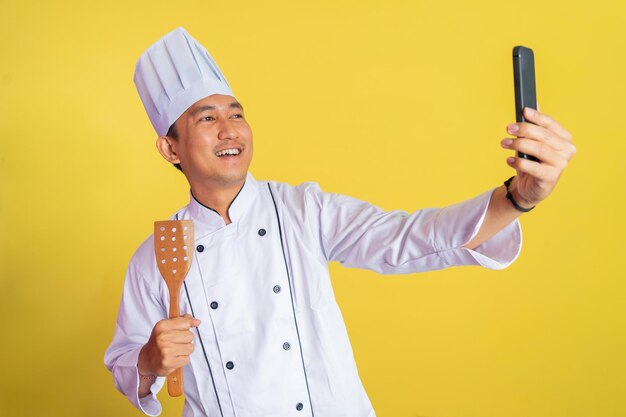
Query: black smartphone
(525, 89)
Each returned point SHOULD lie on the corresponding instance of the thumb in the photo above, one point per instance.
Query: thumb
(194, 322)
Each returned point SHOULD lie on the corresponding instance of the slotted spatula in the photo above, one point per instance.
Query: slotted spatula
(173, 246)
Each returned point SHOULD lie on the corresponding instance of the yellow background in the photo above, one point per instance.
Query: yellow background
(399, 103)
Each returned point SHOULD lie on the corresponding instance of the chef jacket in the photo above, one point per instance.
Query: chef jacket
(272, 341)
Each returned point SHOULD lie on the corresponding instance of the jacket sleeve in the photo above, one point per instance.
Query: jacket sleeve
(140, 309)
(358, 234)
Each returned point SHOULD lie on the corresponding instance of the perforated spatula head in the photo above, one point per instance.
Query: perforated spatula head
(173, 247)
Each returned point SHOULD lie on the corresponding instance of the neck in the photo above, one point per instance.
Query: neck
(218, 199)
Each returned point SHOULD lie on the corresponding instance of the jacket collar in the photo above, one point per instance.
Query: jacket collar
(242, 202)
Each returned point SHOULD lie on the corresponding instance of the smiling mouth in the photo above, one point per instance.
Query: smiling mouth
(228, 152)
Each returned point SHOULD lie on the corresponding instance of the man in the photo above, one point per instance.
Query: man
(261, 334)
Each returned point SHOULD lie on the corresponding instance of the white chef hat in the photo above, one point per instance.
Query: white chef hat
(173, 74)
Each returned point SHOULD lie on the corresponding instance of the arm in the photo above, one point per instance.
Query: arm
(361, 235)
(535, 181)
(141, 306)
(481, 231)
(145, 346)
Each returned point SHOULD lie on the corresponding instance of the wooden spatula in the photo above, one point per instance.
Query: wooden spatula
(173, 246)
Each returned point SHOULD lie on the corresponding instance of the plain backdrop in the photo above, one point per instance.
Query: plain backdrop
(400, 103)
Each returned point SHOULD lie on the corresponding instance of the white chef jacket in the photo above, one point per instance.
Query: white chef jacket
(272, 342)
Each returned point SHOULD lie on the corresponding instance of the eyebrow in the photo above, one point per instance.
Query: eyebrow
(233, 105)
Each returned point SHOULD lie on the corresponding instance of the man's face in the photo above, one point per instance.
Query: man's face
(214, 144)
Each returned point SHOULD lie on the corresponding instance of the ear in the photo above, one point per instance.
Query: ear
(165, 146)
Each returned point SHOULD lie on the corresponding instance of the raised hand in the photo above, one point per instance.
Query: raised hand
(546, 140)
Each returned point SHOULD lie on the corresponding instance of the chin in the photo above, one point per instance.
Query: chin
(233, 178)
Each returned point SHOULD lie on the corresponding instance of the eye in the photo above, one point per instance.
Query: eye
(237, 116)
(207, 118)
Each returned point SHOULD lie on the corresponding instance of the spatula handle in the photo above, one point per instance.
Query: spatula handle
(175, 379)
(175, 383)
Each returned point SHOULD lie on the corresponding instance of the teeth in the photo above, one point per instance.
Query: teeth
(227, 152)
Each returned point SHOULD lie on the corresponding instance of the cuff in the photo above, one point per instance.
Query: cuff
(126, 377)
(461, 222)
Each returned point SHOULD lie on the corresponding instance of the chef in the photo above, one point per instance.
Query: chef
(261, 333)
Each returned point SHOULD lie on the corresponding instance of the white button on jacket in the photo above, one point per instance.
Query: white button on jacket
(272, 342)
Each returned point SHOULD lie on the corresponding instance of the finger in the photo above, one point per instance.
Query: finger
(531, 131)
(543, 174)
(169, 364)
(165, 327)
(546, 121)
(172, 351)
(179, 362)
(565, 150)
(181, 337)
(185, 350)
(539, 150)
(185, 322)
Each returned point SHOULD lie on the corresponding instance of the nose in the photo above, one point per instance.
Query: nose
(227, 130)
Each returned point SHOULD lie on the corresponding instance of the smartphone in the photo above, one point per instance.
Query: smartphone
(525, 91)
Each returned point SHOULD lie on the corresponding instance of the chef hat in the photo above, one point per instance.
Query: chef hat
(173, 74)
